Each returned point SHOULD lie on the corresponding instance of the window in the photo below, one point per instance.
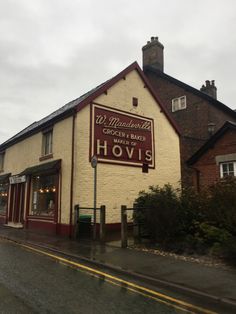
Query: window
(135, 101)
(1, 161)
(44, 195)
(228, 169)
(179, 103)
(47, 143)
(3, 198)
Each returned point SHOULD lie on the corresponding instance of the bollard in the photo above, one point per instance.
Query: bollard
(76, 221)
(102, 222)
(124, 233)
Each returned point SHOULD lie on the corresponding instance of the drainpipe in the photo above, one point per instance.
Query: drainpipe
(72, 174)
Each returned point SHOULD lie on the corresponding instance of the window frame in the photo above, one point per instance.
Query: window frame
(228, 171)
(179, 105)
(34, 210)
(2, 157)
(47, 146)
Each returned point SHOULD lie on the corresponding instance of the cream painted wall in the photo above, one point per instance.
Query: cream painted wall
(27, 152)
(119, 185)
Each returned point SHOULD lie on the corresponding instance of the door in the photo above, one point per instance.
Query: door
(16, 204)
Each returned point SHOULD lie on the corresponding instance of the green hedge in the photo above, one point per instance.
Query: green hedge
(184, 220)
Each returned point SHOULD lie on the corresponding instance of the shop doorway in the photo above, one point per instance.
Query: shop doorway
(16, 205)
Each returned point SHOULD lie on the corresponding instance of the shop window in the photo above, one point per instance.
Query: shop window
(228, 169)
(2, 161)
(47, 143)
(44, 195)
(179, 103)
(3, 198)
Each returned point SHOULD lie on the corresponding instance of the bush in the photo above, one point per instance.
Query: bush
(222, 205)
(184, 220)
(211, 234)
(158, 211)
(229, 250)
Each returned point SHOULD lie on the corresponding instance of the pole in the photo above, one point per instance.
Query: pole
(124, 235)
(94, 162)
(95, 203)
(102, 222)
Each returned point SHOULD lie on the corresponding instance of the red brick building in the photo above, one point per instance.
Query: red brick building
(216, 158)
(197, 113)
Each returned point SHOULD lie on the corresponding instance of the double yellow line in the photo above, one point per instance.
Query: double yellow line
(154, 295)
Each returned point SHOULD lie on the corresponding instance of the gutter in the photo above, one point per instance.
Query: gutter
(72, 174)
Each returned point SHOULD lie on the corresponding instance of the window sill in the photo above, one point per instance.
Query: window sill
(49, 156)
(41, 217)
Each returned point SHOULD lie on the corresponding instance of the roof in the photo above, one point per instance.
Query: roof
(227, 126)
(191, 89)
(4, 177)
(57, 115)
(79, 103)
(45, 167)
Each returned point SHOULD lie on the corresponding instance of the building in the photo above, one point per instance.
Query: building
(197, 113)
(216, 158)
(46, 170)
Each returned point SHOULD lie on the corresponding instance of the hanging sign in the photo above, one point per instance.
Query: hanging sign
(121, 137)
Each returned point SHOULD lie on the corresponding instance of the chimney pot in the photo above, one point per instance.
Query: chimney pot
(210, 89)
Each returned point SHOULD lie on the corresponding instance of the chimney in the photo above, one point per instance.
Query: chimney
(210, 89)
(153, 54)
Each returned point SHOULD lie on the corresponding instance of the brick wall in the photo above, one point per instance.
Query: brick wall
(209, 171)
(192, 121)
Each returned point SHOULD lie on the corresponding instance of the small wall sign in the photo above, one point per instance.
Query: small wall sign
(17, 179)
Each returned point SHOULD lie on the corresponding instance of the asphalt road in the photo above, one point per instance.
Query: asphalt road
(32, 282)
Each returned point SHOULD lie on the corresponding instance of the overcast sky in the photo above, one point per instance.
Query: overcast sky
(53, 51)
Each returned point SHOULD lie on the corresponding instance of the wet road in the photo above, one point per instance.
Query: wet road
(34, 283)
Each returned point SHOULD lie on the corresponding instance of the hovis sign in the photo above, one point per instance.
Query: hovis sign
(121, 137)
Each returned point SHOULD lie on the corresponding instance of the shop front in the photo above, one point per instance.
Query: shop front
(33, 197)
(4, 191)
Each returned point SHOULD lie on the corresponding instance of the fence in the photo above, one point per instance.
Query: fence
(86, 222)
(137, 224)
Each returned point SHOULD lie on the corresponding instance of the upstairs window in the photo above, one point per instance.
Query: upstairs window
(2, 161)
(47, 143)
(179, 103)
(228, 169)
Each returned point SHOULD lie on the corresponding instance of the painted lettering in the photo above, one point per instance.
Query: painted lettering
(137, 137)
(101, 147)
(129, 151)
(117, 151)
(148, 155)
(119, 141)
(139, 154)
(100, 119)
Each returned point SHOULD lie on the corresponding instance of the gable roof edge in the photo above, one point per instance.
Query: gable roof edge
(197, 92)
(119, 76)
(196, 156)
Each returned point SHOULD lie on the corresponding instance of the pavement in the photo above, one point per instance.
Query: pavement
(214, 283)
